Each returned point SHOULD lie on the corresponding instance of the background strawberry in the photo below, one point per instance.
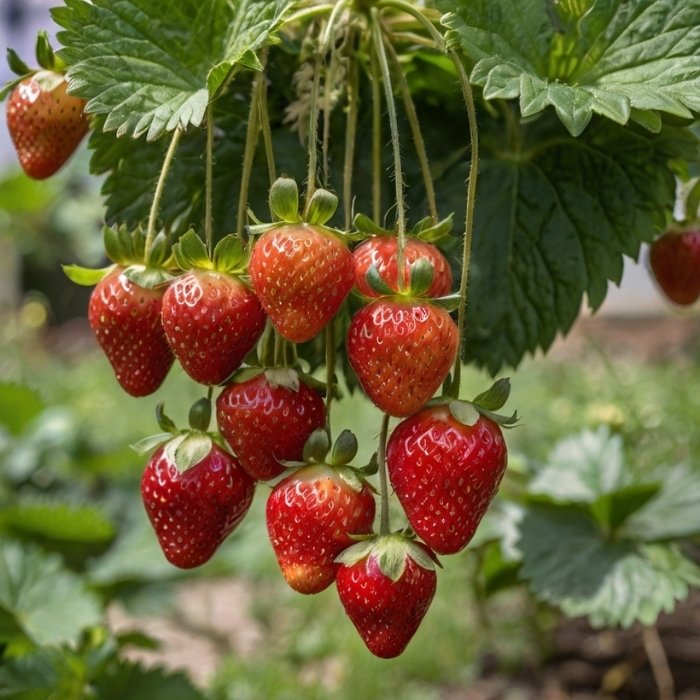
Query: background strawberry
(401, 351)
(268, 419)
(212, 321)
(193, 511)
(45, 123)
(445, 473)
(125, 319)
(310, 517)
(381, 251)
(301, 274)
(386, 586)
(675, 263)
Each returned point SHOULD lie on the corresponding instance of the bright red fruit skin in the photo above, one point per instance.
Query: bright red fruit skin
(301, 276)
(266, 424)
(310, 517)
(125, 319)
(385, 613)
(212, 321)
(381, 252)
(445, 474)
(193, 512)
(401, 352)
(46, 125)
(675, 262)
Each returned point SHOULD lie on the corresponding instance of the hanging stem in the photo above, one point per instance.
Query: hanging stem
(376, 142)
(469, 221)
(659, 663)
(308, 13)
(350, 141)
(378, 42)
(160, 187)
(412, 115)
(330, 371)
(209, 180)
(416, 13)
(313, 131)
(264, 117)
(327, 108)
(384, 525)
(251, 143)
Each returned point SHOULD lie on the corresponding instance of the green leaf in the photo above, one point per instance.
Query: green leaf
(613, 509)
(50, 604)
(583, 467)
(603, 58)
(19, 405)
(568, 563)
(499, 573)
(85, 276)
(58, 521)
(154, 68)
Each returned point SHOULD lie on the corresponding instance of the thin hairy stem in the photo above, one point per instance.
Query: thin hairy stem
(312, 145)
(160, 188)
(350, 141)
(384, 524)
(469, 220)
(418, 15)
(264, 116)
(659, 663)
(251, 144)
(209, 183)
(308, 13)
(330, 371)
(376, 141)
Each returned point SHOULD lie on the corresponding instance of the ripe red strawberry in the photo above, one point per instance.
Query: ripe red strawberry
(268, 419)
(125, 318)
(310, 517)
(401, 351)
(386, 591)
(301, 274)
(212, 321)
(381, 251)
(675, 263)
(445, 474)
(45, 124)
(194, 511)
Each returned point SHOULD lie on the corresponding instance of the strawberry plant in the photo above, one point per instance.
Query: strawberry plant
(570, 123)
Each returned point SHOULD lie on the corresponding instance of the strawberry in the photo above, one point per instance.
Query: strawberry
(445, 474)
(386, 586)
(401, 350)
(212, 321)
(267, 420)
(311, 516)
(125, 319)
(301, 274)
(45, 123)
(675, 263)
(381, 251)
(194, 511)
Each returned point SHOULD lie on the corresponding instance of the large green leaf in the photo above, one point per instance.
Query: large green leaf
(154, 67)
(617, 59)
(44, 600)
(569, 563)
(129, 680)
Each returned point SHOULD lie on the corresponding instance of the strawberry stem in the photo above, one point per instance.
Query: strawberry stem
(378, 41)
(469, 221)
(384, 524)
(312, 143)
(160, 188)
(208, 187)
(264, 116)
(376, 141)
(350, 139)
(330, 371)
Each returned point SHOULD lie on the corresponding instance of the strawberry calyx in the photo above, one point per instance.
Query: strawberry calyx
(485, 404)
(184, 448)
(229, 257)
(391, 552)
(425, 230)
(50, 73)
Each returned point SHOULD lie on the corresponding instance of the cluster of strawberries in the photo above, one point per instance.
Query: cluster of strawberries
(444, 460)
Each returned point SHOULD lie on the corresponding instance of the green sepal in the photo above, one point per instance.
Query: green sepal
(376, 281)
(85, 276)
(449, 302)
(365, 225)
(150, 443)
(371, 468)
(166, 423)
(344, 449)
(45, 55)
(113, 246)
(495, 397)
(431, 232)
(246, 374)
(159, 252)
(421, 275)
(357, 552)
(230, 254)
(190, 252)
(464, 412)
(692, 203)
(317, 446)
(138, 244)
(255, 230)
(17, 65)
(7, 88)
(285, 377)
(147, 277)
(284, 200)
(351, 476)
(200, 415)
(188, 449)
(321, 207)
